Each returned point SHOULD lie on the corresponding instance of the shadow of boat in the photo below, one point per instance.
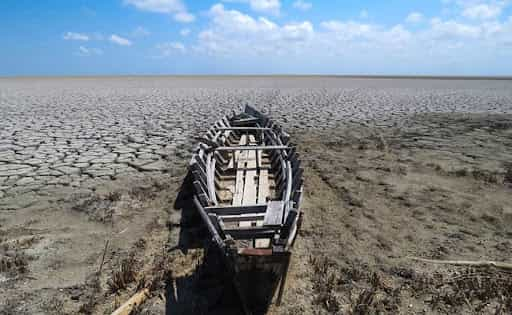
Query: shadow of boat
(210, 288)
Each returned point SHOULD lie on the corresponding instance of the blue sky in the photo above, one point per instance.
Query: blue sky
(109, 37)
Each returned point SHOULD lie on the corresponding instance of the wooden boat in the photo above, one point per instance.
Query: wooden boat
(248, 187)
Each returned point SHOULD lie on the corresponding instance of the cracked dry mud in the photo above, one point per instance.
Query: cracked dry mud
(405, 167)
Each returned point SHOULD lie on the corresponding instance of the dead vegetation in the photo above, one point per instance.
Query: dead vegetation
(13, 260)
(352, 289)
(123, 275)
(472, 290)
(362, 290)
(99, 208)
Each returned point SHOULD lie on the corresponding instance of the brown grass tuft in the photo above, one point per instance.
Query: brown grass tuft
(124, 275)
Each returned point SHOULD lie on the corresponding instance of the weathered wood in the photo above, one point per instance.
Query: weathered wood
(289, 181)
(244, 128)
(242, 217)
(274, 214)
(239, 184)
(217, 224)
(283, 280)
(250, 189)
(202, 180)
(251, 233)
(136, 300)
(200, 190)
(233, 210)
(244, 121)
(210, 180)
(252, 159)
(206, 219)
(288, 224)
(248, 148)
(263, 186)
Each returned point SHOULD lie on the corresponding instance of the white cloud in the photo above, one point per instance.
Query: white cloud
(140, 31)
(248, 38)
(86, 52)
(176, 8)
(302, 5)
(76, 36)
(184, 17)
(266, 6)
(414, 17)
(170, 48)
(483, 11)
(184, 32)
(234, 32)
(452, 29)
(272, 7)
(477, 9)
(116, 39)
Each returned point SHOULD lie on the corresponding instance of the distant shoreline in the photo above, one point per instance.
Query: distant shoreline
(229, 76)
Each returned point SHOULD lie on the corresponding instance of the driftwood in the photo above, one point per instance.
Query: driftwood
(481, 263)
(134, 301)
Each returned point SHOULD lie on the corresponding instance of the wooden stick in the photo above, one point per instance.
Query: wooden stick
(135, 300)
(103, 258)
(481, 263)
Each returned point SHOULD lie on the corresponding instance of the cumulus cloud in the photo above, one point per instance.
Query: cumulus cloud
(233, 32)
(414, 17)
(479, 9)
(176, 8)
(121, 41)
(302, 5)
(452, 29)
(483, 11)
(76, 36)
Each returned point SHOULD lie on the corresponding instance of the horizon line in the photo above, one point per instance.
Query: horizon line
(347, 76)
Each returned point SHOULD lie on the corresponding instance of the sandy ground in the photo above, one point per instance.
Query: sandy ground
(394, 169)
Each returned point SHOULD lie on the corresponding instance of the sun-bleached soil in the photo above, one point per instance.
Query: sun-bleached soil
(93, 206)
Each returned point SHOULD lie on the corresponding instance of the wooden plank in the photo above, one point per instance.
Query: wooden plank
(274, 214)
(233, 210)
(249, 148)
(243, 128)
(250, 189)
(217, 224)
(242, 217)
(210, 177)
(133, 302)
(244, 121)
(239, 184)
(251, 233)
(208, 222)
(263, 188)
(262, 243)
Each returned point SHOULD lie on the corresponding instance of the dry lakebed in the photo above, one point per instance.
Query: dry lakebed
(94, 202)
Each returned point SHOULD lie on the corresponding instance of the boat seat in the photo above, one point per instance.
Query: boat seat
(274, 214)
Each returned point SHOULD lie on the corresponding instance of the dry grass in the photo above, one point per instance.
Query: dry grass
(123, 275)
(98, 208)
(508, 172)
(91, 297)
(13, 261)
(476, 290)
(351, 290)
